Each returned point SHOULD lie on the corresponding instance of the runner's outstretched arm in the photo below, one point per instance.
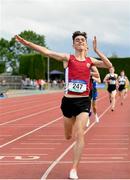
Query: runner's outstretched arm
(105, 63)
(43, 50)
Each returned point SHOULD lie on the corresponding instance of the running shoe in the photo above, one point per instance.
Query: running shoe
(73, 174)
(96, 118)
(88, 123)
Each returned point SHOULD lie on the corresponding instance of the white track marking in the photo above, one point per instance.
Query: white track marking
(104, 139)
(50, 135)
(6, 135)
(65, 162)
(24, 135)
(102, 143)
(30, 107)
(92, 158)
(87, 154)
(26, 108)
(112, 135)
(47, 139)
(105, 148)
(42, 143)
(33, 148)
(68, 149)
(30, 115)
(19, 102)
(21, 154)
(34, 114)
(101, 98)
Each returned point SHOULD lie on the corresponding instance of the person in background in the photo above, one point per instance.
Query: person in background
(94, 94)
(123, 83)
(111, 81)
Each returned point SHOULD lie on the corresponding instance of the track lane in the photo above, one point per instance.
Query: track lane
(19, 161)
(106, 158)
(32, 147)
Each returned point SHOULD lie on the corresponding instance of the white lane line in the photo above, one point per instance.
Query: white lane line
(111, 135)
(46, 173)
(26, 161)
(6, 135)
(102, 143)
(33, 114)
(41, 143)
(97, 154)
(33, 148)
(105, 139)
(19, 102)
(46, 139)
(50, 135)
(105, 148)
(21, 154)
(89, 158)
(24, 135)
(65, 162)
(114, 126)
(26, 108)
(102, 97)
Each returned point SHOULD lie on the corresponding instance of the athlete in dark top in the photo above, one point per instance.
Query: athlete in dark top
(111, 81)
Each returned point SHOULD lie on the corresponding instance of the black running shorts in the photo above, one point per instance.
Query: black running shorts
(121, 88)
(111, 88)
(74, 106)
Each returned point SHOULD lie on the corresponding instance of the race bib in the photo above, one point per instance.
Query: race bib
(112, 82)
(78, 86)
(121, 83)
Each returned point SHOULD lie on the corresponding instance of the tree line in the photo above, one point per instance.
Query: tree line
(25, 61)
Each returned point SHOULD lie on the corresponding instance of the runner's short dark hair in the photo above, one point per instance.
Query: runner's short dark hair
(79, 33)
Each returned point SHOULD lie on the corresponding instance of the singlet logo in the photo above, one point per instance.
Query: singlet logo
(88, 65)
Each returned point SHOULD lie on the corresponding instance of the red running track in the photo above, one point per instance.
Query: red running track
(32, 143)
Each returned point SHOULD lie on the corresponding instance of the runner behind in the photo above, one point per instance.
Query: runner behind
(123, 84)
(111, 81)
(94, 93)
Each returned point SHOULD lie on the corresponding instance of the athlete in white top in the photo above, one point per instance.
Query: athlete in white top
(123, 82)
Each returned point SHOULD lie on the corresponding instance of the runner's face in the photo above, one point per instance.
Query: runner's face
(111, 70)
(80, 43)
(122, 73)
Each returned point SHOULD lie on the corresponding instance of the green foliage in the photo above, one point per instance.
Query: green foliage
(10, 51)
(29, 36)
(58, 65)
(24, 60)
(32, 66)
(2, 67)
(4, 52)
(35, 66)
